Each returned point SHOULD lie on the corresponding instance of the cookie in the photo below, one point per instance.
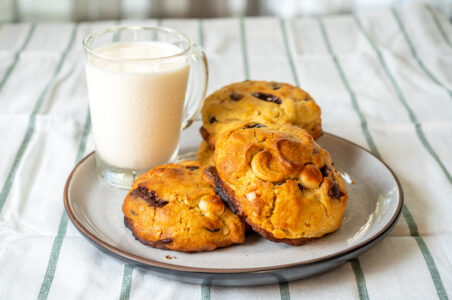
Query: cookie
(280, 181)
(172, 207)
(262, 102)
(205, 154)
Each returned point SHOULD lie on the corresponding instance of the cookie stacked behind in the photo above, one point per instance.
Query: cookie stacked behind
(280, 181)
(261, 102)
(172, 207)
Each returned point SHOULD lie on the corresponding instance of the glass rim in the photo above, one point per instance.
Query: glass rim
(114, 29)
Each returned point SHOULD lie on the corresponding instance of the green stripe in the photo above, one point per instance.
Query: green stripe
(412, 226)
(432, 268)
(117, 34)
(438, 25)
(54, 255)
(414, 232)
(62, 227)
(363, 121)
(205, 292)
(126, 282)
(31, 126)
(154, 34)
(414, 53)
(201, 32)
(86, 130)
(284, 290)
(11, 67)
(401, 98)
(359, 275)
(246, 69)
(288, 52)
(405, 212)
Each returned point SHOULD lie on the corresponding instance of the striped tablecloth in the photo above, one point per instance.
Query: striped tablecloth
(383, 80)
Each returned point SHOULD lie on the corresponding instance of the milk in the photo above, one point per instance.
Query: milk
(136, 107)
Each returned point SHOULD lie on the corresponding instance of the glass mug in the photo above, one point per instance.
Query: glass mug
(145, 84)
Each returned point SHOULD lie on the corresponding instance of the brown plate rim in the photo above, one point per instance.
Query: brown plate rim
(153, 263)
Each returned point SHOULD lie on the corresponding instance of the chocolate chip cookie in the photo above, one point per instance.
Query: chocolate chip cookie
(172, 207)
(280, 181)
(262, 102)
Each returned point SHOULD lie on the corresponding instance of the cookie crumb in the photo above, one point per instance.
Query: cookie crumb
(169, 257)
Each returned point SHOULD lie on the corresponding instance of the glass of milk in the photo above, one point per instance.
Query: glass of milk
(145, 84)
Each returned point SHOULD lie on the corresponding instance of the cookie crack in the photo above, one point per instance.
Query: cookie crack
(272, 209)
(323, 205)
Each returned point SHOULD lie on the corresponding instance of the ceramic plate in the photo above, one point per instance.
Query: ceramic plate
(375, 203)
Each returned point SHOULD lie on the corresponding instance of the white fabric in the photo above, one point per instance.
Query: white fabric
(397, 267)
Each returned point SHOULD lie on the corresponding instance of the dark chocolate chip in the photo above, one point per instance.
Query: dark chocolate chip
(267, 97)
(300, 187)
(165, 241)
(192, 168)
(212, 120)
(325, 170)
(236, 96)
(209, 174)
(276, 86)
(212, 230)
(255, 126)
(335, 192)
(149, 196)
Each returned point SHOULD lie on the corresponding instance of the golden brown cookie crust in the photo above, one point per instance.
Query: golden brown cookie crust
(172, 207)
(281, 181)
(262, 102)
(205, 154)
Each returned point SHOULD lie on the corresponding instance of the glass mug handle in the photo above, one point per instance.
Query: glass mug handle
(199, 75)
